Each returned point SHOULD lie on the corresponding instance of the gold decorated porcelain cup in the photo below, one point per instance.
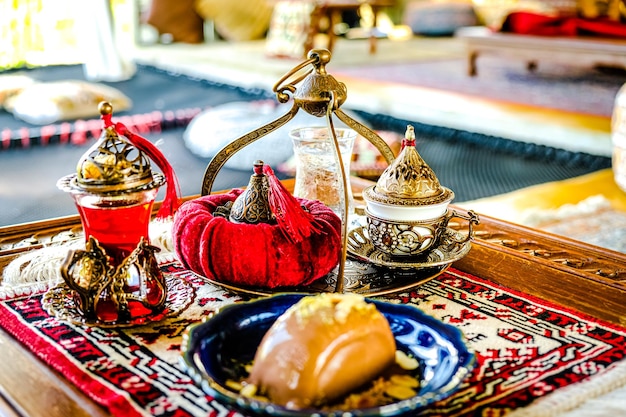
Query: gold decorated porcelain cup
(407, 210)
(404, 238)
(407, 238)
(405, 230)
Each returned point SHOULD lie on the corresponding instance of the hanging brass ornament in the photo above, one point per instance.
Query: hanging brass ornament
(320, 95)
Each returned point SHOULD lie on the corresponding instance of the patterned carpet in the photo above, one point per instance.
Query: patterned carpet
(527, 350)
(570, 88)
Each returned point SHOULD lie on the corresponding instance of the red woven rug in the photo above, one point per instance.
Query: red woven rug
(526, 349)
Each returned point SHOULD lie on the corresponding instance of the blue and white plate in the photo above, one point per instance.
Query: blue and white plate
(213, 348)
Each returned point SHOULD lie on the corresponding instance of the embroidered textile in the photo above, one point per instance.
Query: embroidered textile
(526, 348)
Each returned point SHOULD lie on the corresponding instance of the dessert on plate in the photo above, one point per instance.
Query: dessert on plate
(322, 348)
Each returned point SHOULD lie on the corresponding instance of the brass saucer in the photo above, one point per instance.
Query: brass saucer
(371, 273)
(360, 277)
(59, 302)
(451, 248)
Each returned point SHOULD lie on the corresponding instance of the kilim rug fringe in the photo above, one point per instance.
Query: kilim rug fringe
(82, 132)
(575, 395)
(36, 267)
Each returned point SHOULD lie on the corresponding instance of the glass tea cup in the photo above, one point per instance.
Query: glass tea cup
(317, 175)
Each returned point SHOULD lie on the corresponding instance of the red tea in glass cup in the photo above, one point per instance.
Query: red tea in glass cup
(119, 223)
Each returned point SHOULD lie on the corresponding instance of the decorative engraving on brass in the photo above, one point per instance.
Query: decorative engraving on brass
(252, 206)
(113, 165)
(93, 278)
(320, 94)
(91, 263)
(408, 180)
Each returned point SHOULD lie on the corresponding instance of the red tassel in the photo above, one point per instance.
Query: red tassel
(171, 202)
(296, 223)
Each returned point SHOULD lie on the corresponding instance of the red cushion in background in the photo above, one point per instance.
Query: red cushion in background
(537, 24)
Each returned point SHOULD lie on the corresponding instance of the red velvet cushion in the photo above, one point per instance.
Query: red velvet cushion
(253, 255)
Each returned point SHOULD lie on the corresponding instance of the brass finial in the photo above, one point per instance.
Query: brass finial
(112, 165)
(321, 57)
(252, 206)
(105, 108)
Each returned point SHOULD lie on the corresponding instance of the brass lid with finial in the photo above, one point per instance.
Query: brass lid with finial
(252, 206)
(408, 180)
(112, 165)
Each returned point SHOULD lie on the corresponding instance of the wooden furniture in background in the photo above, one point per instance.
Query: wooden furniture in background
(330, 11)
(590, 51)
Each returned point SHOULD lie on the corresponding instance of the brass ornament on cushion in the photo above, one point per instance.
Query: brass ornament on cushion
(253, 206)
